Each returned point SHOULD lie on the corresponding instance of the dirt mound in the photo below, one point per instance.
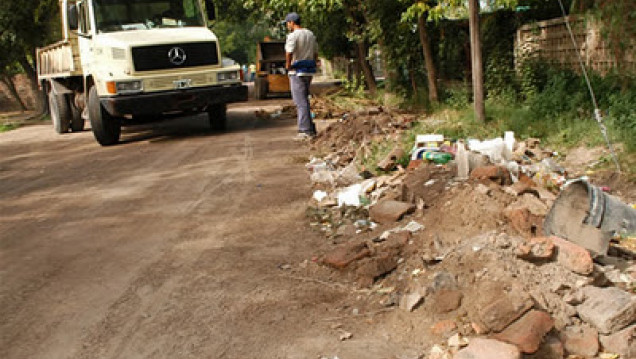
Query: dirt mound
(471, 257)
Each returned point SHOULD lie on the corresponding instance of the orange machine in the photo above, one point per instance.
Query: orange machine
(271, 76)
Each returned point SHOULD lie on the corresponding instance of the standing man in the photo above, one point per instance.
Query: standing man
(301, 53)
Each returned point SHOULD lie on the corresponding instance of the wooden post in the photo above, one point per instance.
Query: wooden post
(478, 72)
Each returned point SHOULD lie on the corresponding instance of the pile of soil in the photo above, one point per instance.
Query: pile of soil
(477, 245)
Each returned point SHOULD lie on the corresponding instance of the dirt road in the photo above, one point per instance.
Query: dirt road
(169, 245)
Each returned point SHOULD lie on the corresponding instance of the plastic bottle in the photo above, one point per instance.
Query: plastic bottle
(438, 157)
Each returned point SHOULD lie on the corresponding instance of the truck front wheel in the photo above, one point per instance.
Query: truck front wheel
(218, 116)
(60, 112)
(106, 128)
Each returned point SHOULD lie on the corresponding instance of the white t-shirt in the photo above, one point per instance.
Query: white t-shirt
(301, 44)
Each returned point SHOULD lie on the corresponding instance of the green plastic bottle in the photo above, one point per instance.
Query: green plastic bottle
(438, 157)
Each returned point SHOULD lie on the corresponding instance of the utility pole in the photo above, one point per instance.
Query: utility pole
(476, 60)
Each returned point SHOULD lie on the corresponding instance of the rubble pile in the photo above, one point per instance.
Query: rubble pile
(477, 243)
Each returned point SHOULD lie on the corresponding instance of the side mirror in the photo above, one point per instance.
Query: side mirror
(210, 10)
(72, 16)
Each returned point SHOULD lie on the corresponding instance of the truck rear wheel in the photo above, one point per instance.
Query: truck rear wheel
(60, 112)
(260, 88)
(106, 128)
(218, 117)
(77, 122)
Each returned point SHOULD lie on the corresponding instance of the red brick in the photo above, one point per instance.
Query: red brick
(572, 256)
(389, 211)
(527, 333)
(499, 175)
(342, 256)
(503, 310)
(444, 327)
(580, 341)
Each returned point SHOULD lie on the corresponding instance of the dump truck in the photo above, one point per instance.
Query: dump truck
(271, 77)
(123, 62)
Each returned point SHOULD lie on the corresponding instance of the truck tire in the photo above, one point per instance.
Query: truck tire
(218, 117)
(106, 128)
(77, 122)
(260, 88)
(60, 112)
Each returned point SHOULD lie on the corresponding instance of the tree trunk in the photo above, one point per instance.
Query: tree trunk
(8, 81)
(389, 72)
(431, 72)
(369, 77)
(33, 82)
(478, 74)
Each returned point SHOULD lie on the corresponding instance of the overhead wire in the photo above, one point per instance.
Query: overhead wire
(597, 112)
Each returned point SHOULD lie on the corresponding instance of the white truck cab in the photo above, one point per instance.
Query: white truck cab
(124, 62)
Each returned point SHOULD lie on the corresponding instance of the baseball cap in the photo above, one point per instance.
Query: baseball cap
(292, 16)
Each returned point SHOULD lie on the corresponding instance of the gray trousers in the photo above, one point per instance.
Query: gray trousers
(300, 94)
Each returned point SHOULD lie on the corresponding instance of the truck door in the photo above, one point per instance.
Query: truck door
(84, 38)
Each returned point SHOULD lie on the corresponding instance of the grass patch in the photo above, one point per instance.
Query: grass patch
(4, 127)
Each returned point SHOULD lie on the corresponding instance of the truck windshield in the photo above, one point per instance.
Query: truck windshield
(121, 15)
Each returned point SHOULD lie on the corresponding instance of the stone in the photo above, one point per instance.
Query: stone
(342, 256)
(409, 301)
(499, 175)
(523, 221)
(390, 211)
(580, 341)
(572, 256)
(390, 161)
(457, 341)
(536, 249)
(445, 300)
(504, 309)
(528, 331)
(608, 309)
(622, 342)
(444, 327)
(372, 268)
(443, 280)
(488, 349)
(551, 348)
(437, 352)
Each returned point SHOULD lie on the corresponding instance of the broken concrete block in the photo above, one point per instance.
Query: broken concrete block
(572, 256)
(580, 341)
(622, 342)
(342, 256)
(504, 309)
(608, 309)
(390, 211)
(527, 333)
(488, 349)
(445, 300)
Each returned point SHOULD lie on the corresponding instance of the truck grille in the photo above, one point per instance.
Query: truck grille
(160, 57)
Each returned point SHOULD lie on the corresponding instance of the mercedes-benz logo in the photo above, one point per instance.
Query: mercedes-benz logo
(177, 56)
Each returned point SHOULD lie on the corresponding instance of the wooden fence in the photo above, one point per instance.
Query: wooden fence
(551, 41)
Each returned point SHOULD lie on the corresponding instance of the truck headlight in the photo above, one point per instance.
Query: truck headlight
(125, 87)
(227, 76)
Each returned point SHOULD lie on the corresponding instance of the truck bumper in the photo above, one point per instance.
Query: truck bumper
(169, 101)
